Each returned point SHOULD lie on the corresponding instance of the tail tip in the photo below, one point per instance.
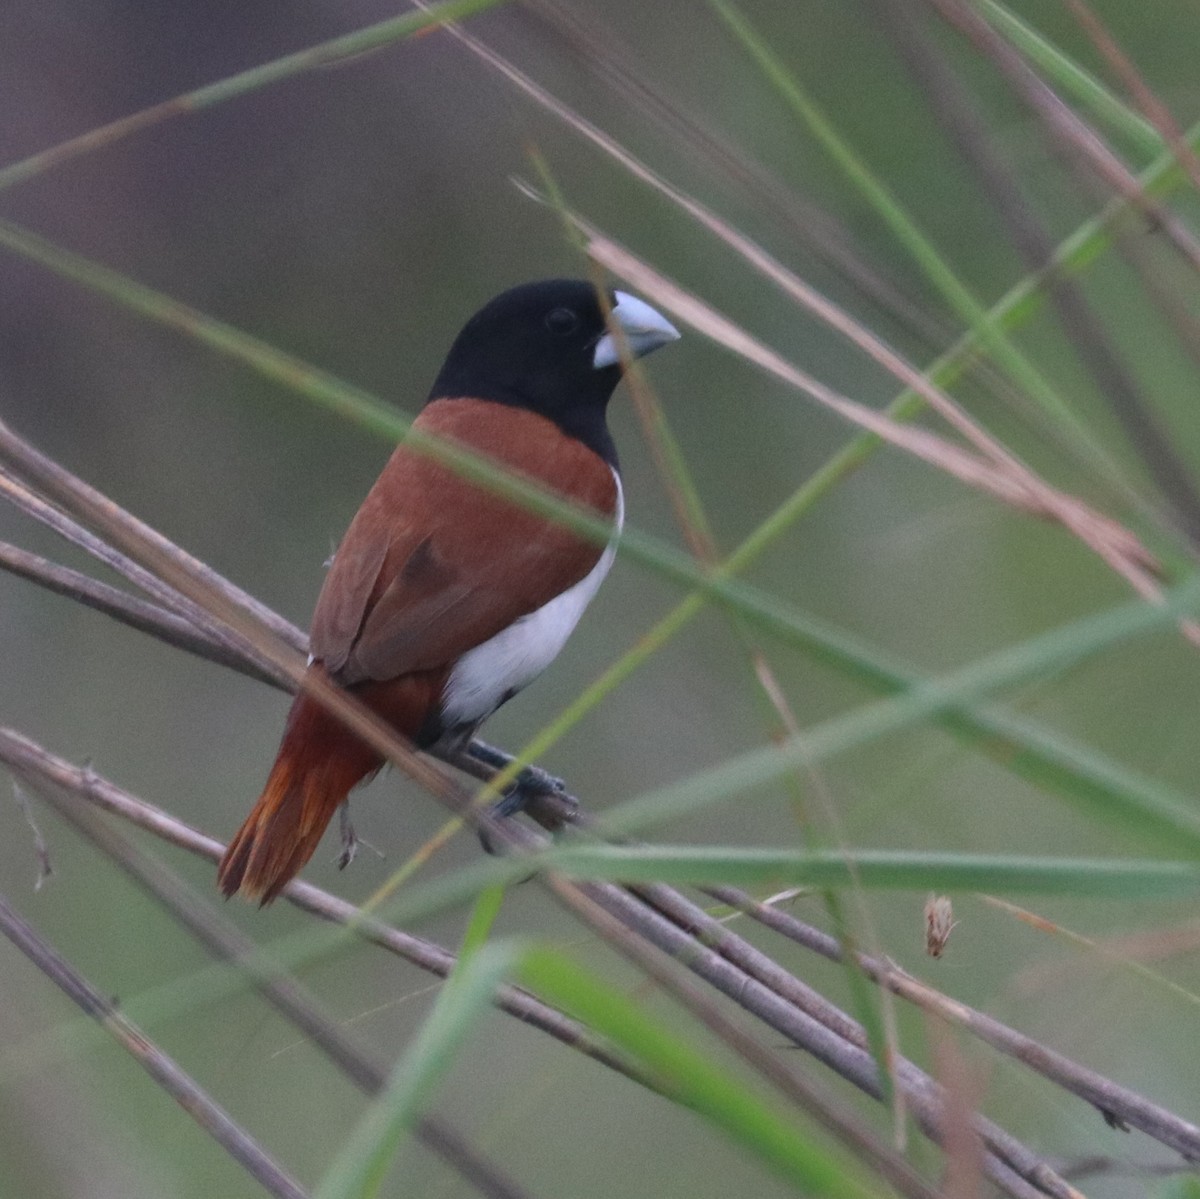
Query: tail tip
(234, 876)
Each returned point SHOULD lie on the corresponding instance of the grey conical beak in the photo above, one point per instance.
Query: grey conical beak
(644, 329)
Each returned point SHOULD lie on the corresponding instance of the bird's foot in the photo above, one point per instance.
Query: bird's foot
(530, 785)
(351, 841)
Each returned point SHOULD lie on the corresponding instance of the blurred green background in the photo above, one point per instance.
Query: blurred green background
(355, 216)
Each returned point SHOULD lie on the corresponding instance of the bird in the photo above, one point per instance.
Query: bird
(443, 599)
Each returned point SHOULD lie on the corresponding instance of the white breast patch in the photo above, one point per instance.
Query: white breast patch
(488, 674)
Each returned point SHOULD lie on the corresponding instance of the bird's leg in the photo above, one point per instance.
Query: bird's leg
(351, 841)
(348, 835)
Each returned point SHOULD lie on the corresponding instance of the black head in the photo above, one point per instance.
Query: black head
(545, 346)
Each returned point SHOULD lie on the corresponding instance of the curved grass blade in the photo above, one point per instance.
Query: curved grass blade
(360, 1168)
(688, 1076)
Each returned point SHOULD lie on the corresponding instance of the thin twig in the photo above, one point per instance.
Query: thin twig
(27, 500)
(166, 1073)
(1114, 1167)
(140, 614)
(40, 849)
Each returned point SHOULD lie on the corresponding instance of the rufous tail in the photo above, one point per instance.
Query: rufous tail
(318, 763)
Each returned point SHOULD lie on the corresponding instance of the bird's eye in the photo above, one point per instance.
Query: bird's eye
(561, 322)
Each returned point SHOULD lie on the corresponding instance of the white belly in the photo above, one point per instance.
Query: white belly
(490, 673)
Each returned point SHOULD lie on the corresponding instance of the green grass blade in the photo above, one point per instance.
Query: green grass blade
(1179, 1188)
(1092, 878)
(1037, 657)
(360, 1168)
(718, 1096)
(1070, 79)
(361, 41)
(908, 234)
(483, 919)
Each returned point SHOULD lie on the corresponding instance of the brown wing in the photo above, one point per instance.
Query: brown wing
(433, 565)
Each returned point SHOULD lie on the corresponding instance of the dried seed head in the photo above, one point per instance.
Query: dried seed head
(939, 924)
